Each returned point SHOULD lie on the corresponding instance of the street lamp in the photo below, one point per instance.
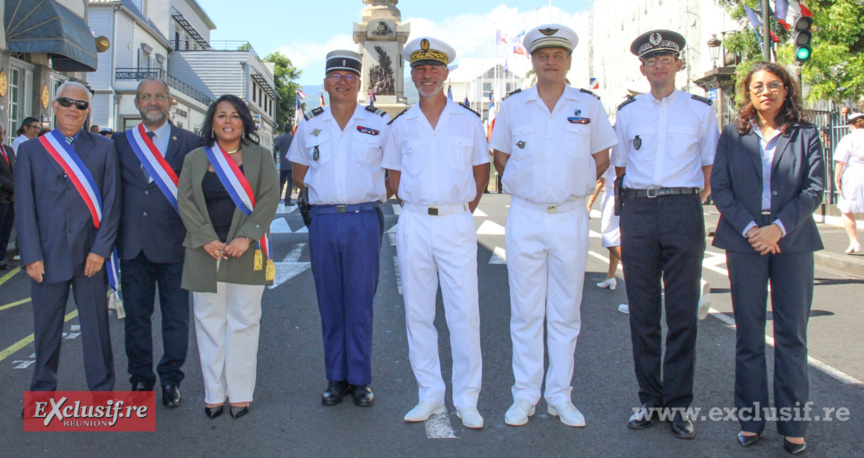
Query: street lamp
(714, 48)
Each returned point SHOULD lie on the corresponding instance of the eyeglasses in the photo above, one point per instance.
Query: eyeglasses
(665, 60)
(773, 86)
(335, 77)
(148, 97)
(66, 102)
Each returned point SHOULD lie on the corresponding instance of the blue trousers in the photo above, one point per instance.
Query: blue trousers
(346, 250)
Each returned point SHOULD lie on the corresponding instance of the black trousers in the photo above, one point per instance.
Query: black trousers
(663, 238)
(285, 175)
(139, 279)
(791, 279)
(7, 217)
(49, 307)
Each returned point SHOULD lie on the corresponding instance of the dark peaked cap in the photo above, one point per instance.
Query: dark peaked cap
(657, 42)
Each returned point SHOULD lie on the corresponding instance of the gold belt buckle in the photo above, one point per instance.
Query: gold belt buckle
(340, 209)
(433, 211)
(552, 209)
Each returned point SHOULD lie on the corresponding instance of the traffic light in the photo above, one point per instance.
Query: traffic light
(803, 49)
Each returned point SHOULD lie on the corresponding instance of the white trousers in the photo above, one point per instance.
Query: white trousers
(546, 257)
(432, 248)
(227, 327)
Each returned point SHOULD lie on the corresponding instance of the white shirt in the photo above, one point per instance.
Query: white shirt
(348, 168)
(551, 160)
(677, 136)
(850, 150)
(436, 165)
(18, 141)
(767, 149)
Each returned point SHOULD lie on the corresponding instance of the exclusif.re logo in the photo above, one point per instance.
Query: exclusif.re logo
(89, 411)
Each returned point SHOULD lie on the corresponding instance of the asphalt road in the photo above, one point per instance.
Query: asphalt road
(287, 417)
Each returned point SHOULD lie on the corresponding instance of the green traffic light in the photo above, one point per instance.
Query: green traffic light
(803, 54)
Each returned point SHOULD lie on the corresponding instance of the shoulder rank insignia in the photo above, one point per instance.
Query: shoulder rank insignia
(313, 113)
(377, 111)
(630, 99)
(702, 99)
(514, 92)
(400, 114)
(589, 92)
(367, 131)
(466, 107)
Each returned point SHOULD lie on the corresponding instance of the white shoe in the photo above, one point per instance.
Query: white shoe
(704, 300)
(853, 248)
(424, 410)
(624, 308)
(518, 413)
(470, 418)
(569, 415)
(610, 283)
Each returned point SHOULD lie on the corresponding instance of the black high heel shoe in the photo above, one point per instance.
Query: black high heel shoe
(792, 448)
(748, 440)
(213, 412)
(237, 412)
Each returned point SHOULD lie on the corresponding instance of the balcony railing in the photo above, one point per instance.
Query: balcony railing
(231, 45)
(139, 74)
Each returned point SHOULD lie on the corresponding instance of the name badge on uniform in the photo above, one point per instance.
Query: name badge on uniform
(315, 153)
(578, 120)
(637, 142)
(366, 130)
(520, 144)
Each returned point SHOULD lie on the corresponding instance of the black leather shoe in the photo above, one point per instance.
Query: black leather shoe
(334, 393)
(213, 412)
(171, 396)
(682, 427)
(363, 396)
(640, 419)
(794, 449)
(141, 386)
(748, 440)
(237, 412)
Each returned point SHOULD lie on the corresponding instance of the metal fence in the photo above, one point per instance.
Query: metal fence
(833, 127)
(139, 74)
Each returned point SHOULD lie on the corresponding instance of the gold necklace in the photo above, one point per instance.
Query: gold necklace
(236, 150)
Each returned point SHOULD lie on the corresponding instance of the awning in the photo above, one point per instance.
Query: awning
(43, 26)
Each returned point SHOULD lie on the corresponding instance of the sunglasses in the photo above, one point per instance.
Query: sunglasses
(66, 102)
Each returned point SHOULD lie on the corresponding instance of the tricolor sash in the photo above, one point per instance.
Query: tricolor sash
(5, 156)
(62, 152)
(241, 193)
(152, 160)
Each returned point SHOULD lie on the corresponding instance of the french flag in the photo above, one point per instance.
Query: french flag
(787, 11)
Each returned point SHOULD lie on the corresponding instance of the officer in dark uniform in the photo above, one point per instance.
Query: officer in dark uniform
(666, 144)
(283, 142)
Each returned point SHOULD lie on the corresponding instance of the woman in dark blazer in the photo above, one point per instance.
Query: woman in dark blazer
(767, 181)
(223, 267)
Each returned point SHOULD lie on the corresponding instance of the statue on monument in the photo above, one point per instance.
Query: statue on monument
(381, 75)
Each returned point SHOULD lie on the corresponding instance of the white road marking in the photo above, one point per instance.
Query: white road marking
(290, 267)
(282, 209)
(480, 213)
(23, 364)
(280, 226)
(398, 277)
(392, 230)
(439, 427)
(71, 335)
(397, 209)
(499, 256)
(596, 214)
(490, 228)
(593, 235)
(74, 327)
(302, 230)
(392, 237)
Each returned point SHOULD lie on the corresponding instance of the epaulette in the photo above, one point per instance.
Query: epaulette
(466, 107)
(702, 99)
(377, 111)
(589, 92)
(630, 99)
(400, 114)
(313, 113)
(514, 92)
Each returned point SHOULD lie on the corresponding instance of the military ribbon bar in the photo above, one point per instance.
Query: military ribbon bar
(152, 160)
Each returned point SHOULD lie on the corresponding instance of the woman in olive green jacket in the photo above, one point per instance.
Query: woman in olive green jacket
(224, 266)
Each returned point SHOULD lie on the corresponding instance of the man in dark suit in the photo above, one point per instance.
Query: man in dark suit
(7, 194)
(283, 142)
(151, 241)
(62, 243)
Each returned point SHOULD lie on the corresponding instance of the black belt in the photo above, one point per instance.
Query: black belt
(354, 208)
(652, 193)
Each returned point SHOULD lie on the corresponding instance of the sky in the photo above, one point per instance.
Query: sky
(306, 30)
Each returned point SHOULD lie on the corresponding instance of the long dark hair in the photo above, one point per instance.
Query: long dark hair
(790, 113)
(207, 135)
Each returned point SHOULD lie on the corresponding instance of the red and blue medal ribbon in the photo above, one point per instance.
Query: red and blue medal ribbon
(152, 160)
(62, 152)
(237, 186)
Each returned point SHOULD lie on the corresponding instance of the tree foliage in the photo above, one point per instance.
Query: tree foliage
(836, 70)
(285, 78)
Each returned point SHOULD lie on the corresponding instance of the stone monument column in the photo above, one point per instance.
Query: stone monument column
(380, 37)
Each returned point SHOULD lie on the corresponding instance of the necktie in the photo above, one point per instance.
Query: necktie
(5, 156)
(143, 169)
(70, 140)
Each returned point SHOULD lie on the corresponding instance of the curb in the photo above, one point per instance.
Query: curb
(835, 262)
